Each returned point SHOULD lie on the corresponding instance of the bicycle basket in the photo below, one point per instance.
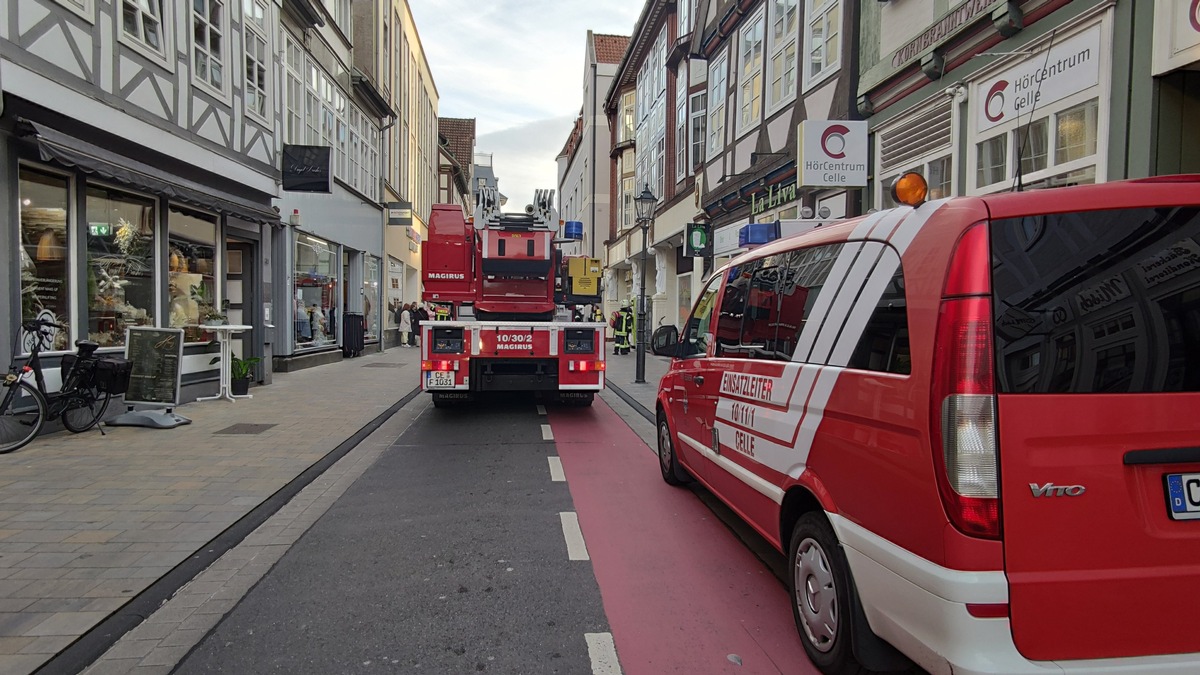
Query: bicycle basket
(112, 374)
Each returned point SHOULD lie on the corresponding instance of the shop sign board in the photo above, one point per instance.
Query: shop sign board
(306, 168)
(1039, 80)
(698, 242)
(775, 195)
(946, 27)
(725, 240)
(832, 153)
(155, 355)
(1176, 35)
(399, 213)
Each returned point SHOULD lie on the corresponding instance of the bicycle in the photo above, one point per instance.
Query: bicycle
(26, 407)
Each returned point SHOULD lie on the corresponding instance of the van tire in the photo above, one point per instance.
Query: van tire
(815, 555)
(668, 460)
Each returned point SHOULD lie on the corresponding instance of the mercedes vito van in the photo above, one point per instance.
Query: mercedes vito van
(972, 425)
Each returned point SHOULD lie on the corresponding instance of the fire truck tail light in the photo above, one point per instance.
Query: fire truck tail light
(586, 366)
(439, 365)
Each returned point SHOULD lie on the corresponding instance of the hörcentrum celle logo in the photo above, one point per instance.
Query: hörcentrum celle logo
(833, 141)
(1194, 15)
(993, 103)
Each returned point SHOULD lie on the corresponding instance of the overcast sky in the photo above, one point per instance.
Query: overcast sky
(516, 66)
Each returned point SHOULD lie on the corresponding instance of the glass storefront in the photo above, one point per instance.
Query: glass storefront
(121, 279)
(191, 272)
(45, 263)
(395, 292)
(315, 292)
(371, 296)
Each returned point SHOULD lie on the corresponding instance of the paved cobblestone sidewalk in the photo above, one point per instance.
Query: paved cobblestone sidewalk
(87, 522)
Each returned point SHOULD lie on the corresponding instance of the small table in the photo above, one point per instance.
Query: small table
(223, 332)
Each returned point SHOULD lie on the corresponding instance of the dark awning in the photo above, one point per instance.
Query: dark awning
(65, 149)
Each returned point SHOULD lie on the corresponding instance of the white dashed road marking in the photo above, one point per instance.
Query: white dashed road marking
(556, 470)
(547, 434)
(603, 653)
(541, 410)
(576, 549)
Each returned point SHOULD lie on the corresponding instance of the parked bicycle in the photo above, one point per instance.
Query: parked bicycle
(25, 407)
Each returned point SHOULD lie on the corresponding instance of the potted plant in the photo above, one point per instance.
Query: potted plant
(239, 372)
(214, 318)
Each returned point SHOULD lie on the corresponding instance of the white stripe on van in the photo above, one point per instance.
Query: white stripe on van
(850, 293)
(825, 296)
(863, 229)
(886, 227)
(908, 231)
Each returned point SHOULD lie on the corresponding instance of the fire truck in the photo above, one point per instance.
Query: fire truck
(493, 280)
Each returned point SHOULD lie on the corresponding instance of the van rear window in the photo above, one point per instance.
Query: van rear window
(1098, 301)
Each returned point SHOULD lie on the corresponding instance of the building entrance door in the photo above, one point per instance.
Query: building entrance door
(241, 291)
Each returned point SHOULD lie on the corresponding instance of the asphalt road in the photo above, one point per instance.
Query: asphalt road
(446, 556)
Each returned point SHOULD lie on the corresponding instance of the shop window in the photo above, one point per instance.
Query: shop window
(1075, 132)
(315, 292)
(938, 173)
(121, 279)
(992, 160)
(371, 296)
(1032, 144)
(45, 272)
(191, 265)
(208, 43)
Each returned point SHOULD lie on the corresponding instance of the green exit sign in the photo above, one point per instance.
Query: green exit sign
(100, 229)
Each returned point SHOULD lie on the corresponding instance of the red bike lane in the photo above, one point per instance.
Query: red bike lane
(682, 593)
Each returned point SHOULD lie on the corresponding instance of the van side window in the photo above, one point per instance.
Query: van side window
(760, 322)
(698, 332)
(733, 308)
(802, 273)
(884, 343)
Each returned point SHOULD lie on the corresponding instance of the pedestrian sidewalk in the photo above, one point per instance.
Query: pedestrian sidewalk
(87, 522)
(621, 372)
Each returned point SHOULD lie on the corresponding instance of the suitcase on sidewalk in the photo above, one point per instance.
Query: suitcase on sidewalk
(353, 334)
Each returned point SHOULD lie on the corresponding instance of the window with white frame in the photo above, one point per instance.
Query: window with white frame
(340, 11)
(681, 123)
(208, 43)
(686, 8)
(628, 99)
(822, 40)
(718, 85)
(660, 170)
(293, 119)
(698, 117)
(781, 65)
(254, 28)
(1058, 147)
(142, 25)
(921, 140)
(84, 8)
(750, 73)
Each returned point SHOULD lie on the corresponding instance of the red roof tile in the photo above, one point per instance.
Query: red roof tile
(460, 138)
(610, 48)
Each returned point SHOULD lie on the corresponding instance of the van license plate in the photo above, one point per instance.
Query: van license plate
(1183, 495)
(443, 379)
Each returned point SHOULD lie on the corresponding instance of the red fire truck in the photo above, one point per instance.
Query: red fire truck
(496, 274)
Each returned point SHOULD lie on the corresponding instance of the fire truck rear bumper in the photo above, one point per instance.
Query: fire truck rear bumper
(514, 374)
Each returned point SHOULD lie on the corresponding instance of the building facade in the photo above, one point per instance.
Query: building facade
(1025, 95)
(139, 155)
(584, 186)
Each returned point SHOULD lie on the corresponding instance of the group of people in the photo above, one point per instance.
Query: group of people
(408, 318)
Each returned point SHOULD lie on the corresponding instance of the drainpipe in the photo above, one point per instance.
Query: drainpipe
(592, 239)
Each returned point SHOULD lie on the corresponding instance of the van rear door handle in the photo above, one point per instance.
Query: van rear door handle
(699, 380)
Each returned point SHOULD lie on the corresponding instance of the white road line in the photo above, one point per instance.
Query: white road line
(576, 549)
(547, 434)
(556, 470)
(603, 654)
(541, 410)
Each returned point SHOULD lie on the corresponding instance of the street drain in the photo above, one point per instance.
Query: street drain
(245, 429)
(383, 365)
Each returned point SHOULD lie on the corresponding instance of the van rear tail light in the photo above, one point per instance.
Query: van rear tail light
(963, 408)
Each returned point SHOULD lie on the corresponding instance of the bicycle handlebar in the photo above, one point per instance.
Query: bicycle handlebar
(38, 324)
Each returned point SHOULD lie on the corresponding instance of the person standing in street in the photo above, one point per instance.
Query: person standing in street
(419, 316)
(406, 326)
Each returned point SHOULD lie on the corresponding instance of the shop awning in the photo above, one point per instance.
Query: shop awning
(65, 149)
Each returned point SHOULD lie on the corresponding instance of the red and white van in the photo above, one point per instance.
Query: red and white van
(973, 426)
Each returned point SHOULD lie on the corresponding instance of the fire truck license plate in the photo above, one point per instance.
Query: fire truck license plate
(439, 379)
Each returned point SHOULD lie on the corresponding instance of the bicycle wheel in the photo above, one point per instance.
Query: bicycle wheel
(22, 413)
(84, 408)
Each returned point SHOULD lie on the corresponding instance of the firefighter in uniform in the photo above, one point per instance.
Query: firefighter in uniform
(622, 324)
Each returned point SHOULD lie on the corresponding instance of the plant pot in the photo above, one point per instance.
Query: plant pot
(214, 322)
(239, 387)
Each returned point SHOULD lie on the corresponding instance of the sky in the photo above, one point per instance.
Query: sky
(516, 66)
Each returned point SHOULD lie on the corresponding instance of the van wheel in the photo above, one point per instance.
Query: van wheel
(819, 584)
(672, 472)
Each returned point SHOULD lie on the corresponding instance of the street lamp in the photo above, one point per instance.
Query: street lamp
(645, 216)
